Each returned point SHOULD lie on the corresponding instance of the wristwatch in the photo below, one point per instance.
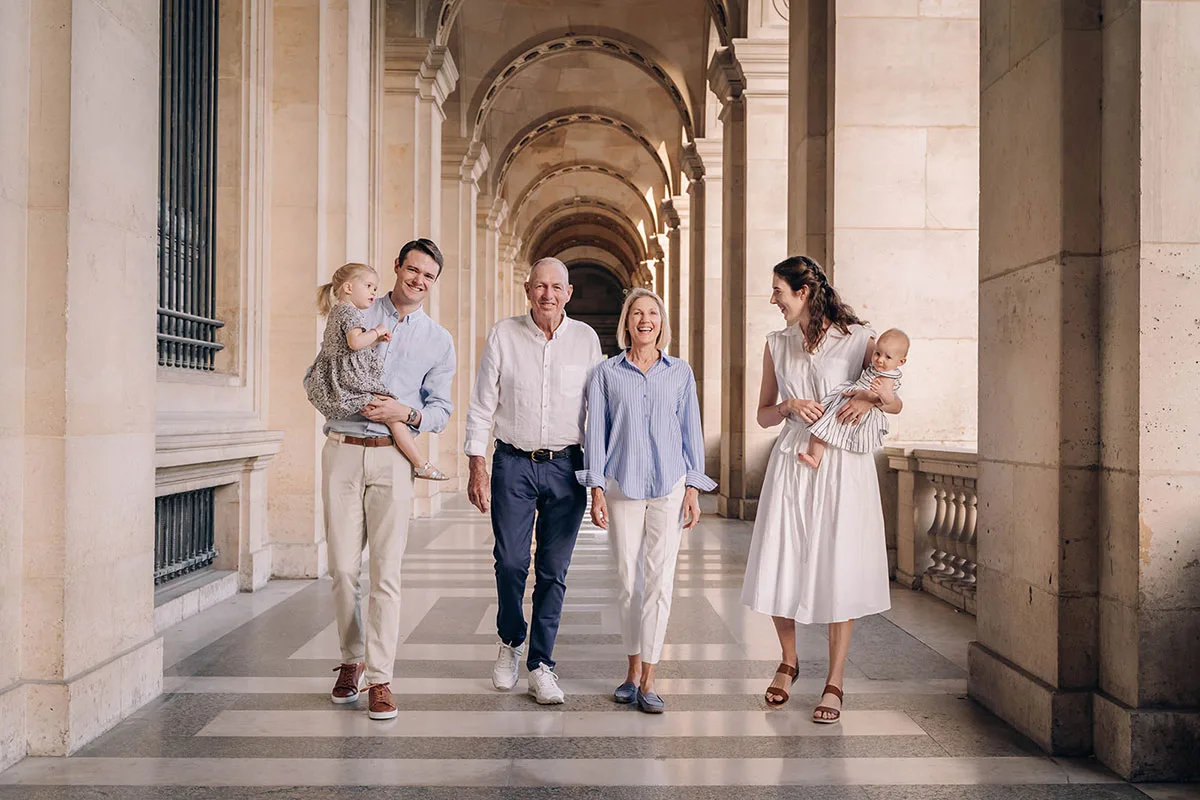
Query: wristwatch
(413, 416)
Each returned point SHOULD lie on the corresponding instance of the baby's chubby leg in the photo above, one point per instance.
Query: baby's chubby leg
(816, 451)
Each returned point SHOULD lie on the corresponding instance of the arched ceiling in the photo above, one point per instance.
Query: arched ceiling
(584, 107)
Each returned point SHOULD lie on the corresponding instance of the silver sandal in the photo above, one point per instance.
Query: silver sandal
(429, 472)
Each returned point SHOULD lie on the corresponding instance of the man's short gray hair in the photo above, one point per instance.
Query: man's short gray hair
(549, 261)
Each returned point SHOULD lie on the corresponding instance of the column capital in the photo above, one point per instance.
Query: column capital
(492, 212)
(764, 66)
(725, 76)
(669, 214)
(417, 66)
(692, 163)
(464, 160)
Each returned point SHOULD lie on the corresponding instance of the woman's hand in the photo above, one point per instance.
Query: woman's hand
(854, 409)
(599, 508)
(691, 507)
(808, 410)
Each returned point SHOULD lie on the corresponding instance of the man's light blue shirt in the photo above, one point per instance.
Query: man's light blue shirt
(643, 429)
(418, 368)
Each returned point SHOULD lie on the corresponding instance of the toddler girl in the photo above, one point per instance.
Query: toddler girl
(346, 374)
(879, 380)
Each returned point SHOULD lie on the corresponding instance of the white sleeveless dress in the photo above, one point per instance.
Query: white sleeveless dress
(818, 552)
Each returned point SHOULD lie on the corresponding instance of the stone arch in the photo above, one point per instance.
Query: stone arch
(569, 169)
(538, 129)
(592, 211)
(580, 43)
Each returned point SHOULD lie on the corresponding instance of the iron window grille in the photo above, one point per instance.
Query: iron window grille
(187, 324)
(183, 534)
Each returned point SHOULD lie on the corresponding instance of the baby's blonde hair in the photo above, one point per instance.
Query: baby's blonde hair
(895, 333)
(327, 293)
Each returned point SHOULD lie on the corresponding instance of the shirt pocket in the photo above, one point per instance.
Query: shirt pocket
(572, 381)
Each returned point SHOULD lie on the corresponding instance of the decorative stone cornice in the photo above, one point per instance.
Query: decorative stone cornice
(683, 206)
(417, 66)
(464, 160)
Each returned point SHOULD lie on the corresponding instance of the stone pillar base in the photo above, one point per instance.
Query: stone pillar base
(62, 716)
(254, 570)
(737, 508)
(1146, 745)
(292, 560)
(1059, 721)
(13, 741)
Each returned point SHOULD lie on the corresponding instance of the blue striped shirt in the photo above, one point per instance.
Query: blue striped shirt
(643, 429)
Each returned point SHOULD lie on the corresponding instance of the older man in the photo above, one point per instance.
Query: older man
(367, 484)
(530, 393)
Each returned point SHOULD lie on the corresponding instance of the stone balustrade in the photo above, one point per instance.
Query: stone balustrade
(935, 523)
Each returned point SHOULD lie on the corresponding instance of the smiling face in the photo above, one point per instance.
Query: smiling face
(360, 290)
(792, 305)
(644, 322)
(414, 277)
(549, 290)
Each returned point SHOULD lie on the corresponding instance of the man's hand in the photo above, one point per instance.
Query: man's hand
(854, 409)
(599, 508)
(691, 508)
(479, 488)
(386, 410)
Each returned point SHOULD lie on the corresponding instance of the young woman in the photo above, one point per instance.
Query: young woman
(817, 554)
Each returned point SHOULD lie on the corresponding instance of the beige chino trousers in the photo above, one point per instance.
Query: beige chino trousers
(368, 500)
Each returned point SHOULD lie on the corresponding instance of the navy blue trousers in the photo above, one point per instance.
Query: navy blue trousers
(522, 491)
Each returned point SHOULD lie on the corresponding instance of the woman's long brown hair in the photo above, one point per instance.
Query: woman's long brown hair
(824, 303)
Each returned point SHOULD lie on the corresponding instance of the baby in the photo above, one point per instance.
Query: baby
(879, 381)
(346, 374)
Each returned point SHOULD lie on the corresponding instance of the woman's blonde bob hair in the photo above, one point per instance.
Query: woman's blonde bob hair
(664, 332)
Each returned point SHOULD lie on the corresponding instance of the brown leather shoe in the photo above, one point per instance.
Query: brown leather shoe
(380, 705)
(349, 683)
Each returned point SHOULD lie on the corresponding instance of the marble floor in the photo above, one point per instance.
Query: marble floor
(245, 712)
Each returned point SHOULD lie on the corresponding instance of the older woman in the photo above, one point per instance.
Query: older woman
(644, 461)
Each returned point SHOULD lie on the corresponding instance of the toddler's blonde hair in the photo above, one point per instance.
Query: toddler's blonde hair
(327, 293)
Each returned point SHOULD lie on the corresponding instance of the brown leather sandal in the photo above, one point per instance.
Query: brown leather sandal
(837, 712)
(775, 695)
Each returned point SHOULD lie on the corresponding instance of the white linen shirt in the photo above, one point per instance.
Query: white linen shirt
(529, 391)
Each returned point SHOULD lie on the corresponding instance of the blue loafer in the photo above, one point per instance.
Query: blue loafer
(626, 693)
(651, 703)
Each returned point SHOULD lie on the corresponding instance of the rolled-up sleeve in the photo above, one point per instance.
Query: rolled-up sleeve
(435, 394)
(595, 442)
(485, 395)
(693, 438)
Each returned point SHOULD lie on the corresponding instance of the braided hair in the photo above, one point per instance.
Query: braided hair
(824, 303)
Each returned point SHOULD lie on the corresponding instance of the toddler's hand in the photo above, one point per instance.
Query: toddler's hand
(384, 334)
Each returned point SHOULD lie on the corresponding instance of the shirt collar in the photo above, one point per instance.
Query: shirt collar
(390, 309)
(559, 331)
(665, 359)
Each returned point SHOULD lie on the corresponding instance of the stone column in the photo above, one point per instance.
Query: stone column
(509, 253)
(308, 242)
(1088, 608)
(1037, 658)
(492, 212)
(462, 165)
(750, 78)
(897, 151)
(676, 212)
(418, 77)
(79, 86)
(706, 190)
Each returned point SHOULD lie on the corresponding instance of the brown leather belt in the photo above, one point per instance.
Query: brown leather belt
(373, 441)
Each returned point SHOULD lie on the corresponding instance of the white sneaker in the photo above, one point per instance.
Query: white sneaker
(543, 685)
(504, 671)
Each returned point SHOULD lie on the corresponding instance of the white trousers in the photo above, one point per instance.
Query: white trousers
(368, 499)
(644, 536)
